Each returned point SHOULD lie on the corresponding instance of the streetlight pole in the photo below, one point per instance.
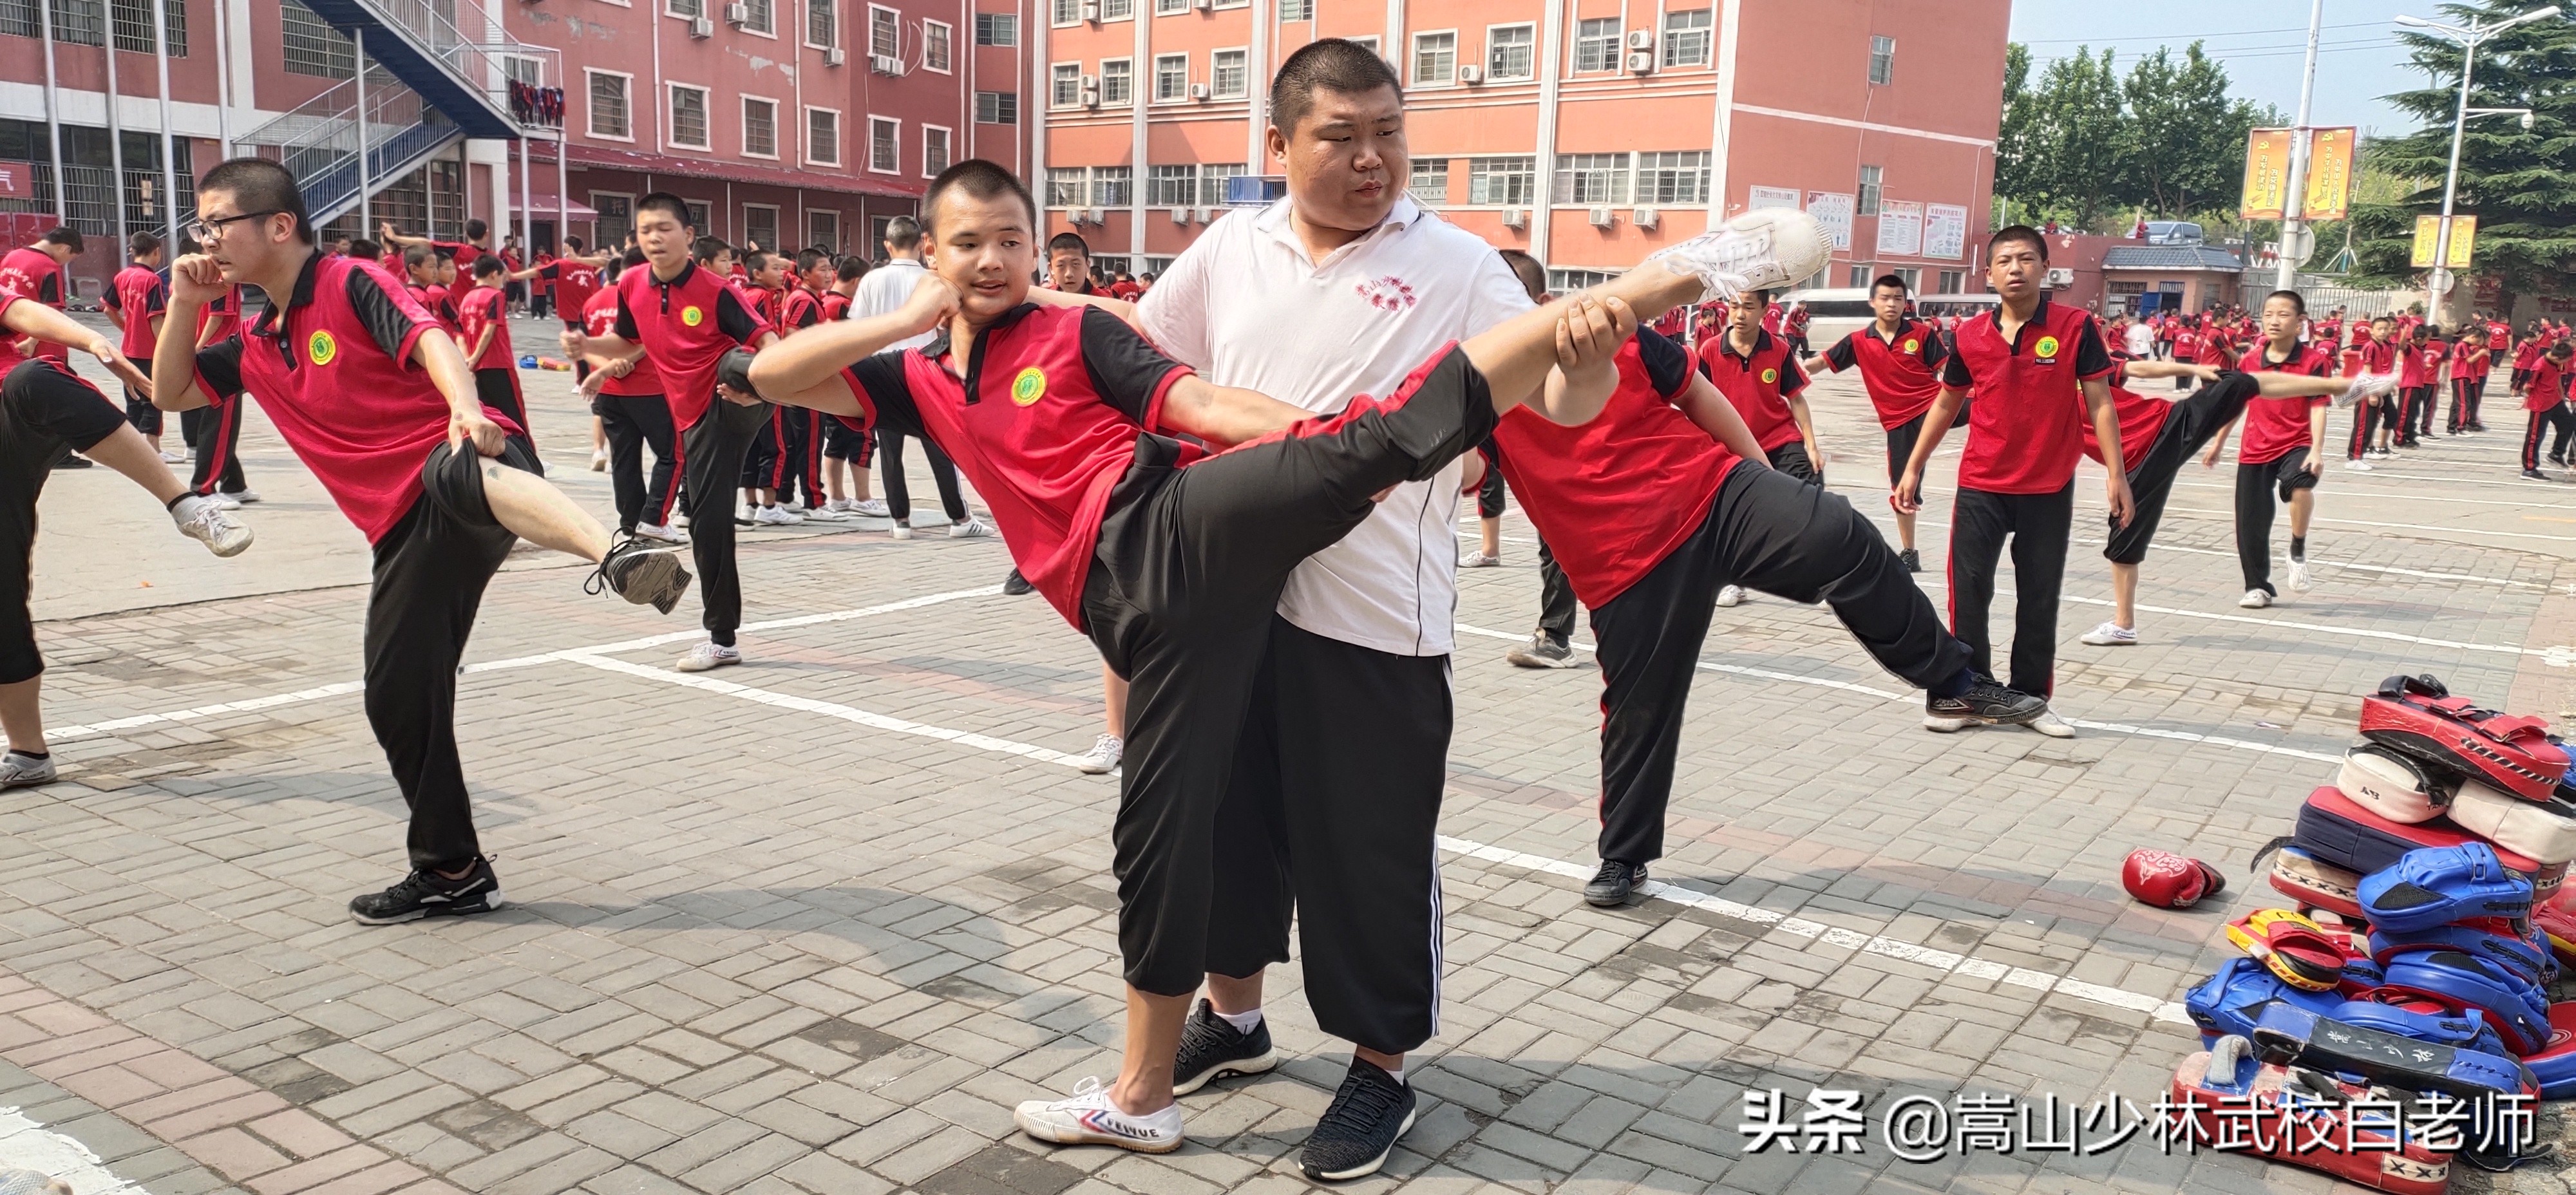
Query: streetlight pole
(2294, 202)
(2469, 37)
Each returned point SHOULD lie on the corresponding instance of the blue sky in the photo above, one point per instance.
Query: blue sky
(2262, 44)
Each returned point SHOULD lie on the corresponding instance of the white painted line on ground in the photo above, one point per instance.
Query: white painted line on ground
(27, 1145)
(829, 709)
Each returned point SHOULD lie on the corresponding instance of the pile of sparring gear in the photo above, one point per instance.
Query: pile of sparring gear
(2431, 922)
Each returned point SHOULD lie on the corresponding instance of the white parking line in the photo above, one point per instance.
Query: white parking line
(27, 1145)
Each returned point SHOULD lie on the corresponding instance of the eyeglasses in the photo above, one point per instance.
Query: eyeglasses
(204, 231)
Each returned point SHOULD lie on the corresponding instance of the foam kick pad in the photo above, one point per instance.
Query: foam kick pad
(2433, 886)
(2395, 785)
(2516, 953)
(2297, 873)
(2516, 1008)
(2365, 1145)
(2292, 1034)
(2555, 918)
(2555, 1064)
(2231, 1001)
(2336, 831)
(2544, 831)
(2416, 715)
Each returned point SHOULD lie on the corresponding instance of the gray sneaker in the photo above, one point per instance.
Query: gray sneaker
(21, 770)
(203, 519)
(1541, 652)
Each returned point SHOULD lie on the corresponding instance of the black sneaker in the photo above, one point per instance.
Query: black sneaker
(2535, 475)
(1370, 1111)
(640, 575)
(1984, 704)
(1611, 885)
(1212, 1048)
(1542, 651)
(75, 461)
(427, 894)
(1912, 560)
(1015, 584)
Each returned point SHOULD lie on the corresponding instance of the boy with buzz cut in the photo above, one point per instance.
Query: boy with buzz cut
(1899, 358)
(2038, 371)
(483, 324)
(1172, 559)
(135, 300)
(2543, 391)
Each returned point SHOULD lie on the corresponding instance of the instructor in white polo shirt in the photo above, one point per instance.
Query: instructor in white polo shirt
(1341, 288)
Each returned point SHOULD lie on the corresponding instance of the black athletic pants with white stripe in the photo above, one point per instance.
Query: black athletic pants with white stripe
(214, 430)
(1180, 602)
(1767, 531)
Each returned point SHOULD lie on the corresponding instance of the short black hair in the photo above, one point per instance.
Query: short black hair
(664, 201)
(630, 259)
(707, 249)
(142, 244)
(64, 234)
(756, 260)
(903, 233)
(2564, 348)
(362, 247)
(474, 230)
(417, 256)
(257, 185)
(574, 243)
(1068, 242)
(807, 259)
(851, 268)
(1894, 280)
(2298, 302)
(486, 264)
(1331, 64)
(2022, 233)
(1533, 276)
(979, 179)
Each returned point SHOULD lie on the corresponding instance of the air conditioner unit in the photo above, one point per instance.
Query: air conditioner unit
(1641, 64)
(885, 64)
(1471, 75)
(1091, 10)
(1201, 5)
(737, 15)
(1641, 39)
(1198, 91)
(1090, 91)
(1645, 217)
(833, 56)
(1515, 217)
(2060, 277)
(1207, 215)
(1097, 213)
(1601, 217)
(701, 28)
(1180, 215)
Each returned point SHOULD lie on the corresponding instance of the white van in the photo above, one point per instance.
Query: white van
(1940, 309)
(1832, 313)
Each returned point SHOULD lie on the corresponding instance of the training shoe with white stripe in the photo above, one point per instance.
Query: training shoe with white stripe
(708, 656)
(2111, 634)
(2368, 385)
(20, 770)
(427, 894)
(1371, 1111)
(1104, 755)
(1759, 250)
(1089, 1117)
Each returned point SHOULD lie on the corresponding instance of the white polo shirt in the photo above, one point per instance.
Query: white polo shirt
(1245, 306)
(886, 289)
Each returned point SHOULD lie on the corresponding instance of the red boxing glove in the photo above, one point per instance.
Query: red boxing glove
(2168, 880)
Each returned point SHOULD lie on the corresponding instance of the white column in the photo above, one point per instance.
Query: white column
(115, 131)
(53, 110)
(1730, 34)
(1551, 63)
(366, 177)
(169, 159)
(1040, 89)
(1141, 88)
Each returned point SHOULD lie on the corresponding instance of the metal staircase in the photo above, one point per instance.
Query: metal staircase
(441, 50)
(318, 141)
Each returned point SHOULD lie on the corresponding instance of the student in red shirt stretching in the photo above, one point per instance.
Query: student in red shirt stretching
(135, 301)
(2543, 392)
(1899, 358)
(2469, 364)
(2039, 371)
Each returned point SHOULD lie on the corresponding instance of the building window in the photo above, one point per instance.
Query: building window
(1913, 276)
(822, 23)
(1855, 276)
(1226, 77)
(616, 217)
(608, 111)
(1212, 178)
(760, 226)
(1171, 77)
(1882, 59)
(689, 116)
(997, 29)
(758, 16)
(1509, 181)
(823, 136)
(937, 39)
(1064, 84)
(687, 8)
(759, 128)
(133, 19)
(1435, 59)
(823, 230)
(82, 23)
(885, 145)
(1591, 179)
(1560, 281)
(1171, 186)
(1112, 186)
(1366, 41)
(1953, 281)
(1296, 10)
(1117, 82)
(18, 19)
(1869, 181)
(1430, 181)
(313, 47)
(1165, 8)
(1673, 178)
(885, 32)
(1117, 10)
(1068, 186)
(1596, 45)
(934, 150)
(1065, 12)
(1687, 37)
(1511, 52)
(997, 107)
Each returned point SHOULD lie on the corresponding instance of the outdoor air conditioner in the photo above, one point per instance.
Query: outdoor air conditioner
(1515, 217)
(737, 14)
(1096, 214)
(833, 56)
(1645, 217)
(1471, 75)
(1201, 5)
(1641, 39)
(1091, 91)
(2060, 276)
(1641, 64)
(885, 64)
(701, 28)
(1207, 215)
(1198, 91)
(1180, 215)
(1601, 217)
(1091, 10)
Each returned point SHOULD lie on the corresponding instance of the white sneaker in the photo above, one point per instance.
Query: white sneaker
(2361, 466)
(794, 506)
(2369, 385)
(1732, 595)
(873, 508)
(172, 456)
(25, 771)
(2298, 574)
(901, 531)
(1479, 560)
(661, 532)
(1759, 250)
(225, 502)
(598, 461)
(2111, 634)
(771, 516)
(1089, 1117)
(971, 528)
(824, 514)
(206, 520)
(245, 497)
(2254, 599)
(839, 504)
(2048, 723)
(708, 655)
(1104, 755)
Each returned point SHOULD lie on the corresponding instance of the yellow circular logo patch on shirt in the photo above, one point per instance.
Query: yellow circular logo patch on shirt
(1029, 387)
(1912, 344)
(1769, 376)
(322, 348)
(2047, 346)
(692, 316)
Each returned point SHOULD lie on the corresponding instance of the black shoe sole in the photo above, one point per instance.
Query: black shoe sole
(1364, 1169)
(656, 578)
(1603, 900)
(491, 902)
(1228, 1069)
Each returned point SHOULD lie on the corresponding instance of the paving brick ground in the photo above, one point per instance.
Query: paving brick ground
(815, 923)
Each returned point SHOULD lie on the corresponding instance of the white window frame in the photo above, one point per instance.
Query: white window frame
(589, 113)
(1664, 37)
(835, 214)
(1872, 73)
(596, 196)
(808, 136)
(670, 123)
(980, 26)
(1053, 69)
(1366, 41)
(619, 3)
(1171, 8)
(1490, 31)
(671, 8)
(756, 31)
(897, 14)
(777, 220)
(1105, 101)
(1052, 8)
(945, 132)
(1129, 15)
(1245, 91)
(1231, 4)
(926, 27)
(807, 24)
(873, 122)
(1013, 96)
(1618, 46)
(1869, 190)
(1413, 67)
(1182, 96)
(744, 130)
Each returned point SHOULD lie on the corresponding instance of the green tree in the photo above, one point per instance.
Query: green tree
(2016, 149)
(2185, 135)
(2082, 145)
(2079, 138)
